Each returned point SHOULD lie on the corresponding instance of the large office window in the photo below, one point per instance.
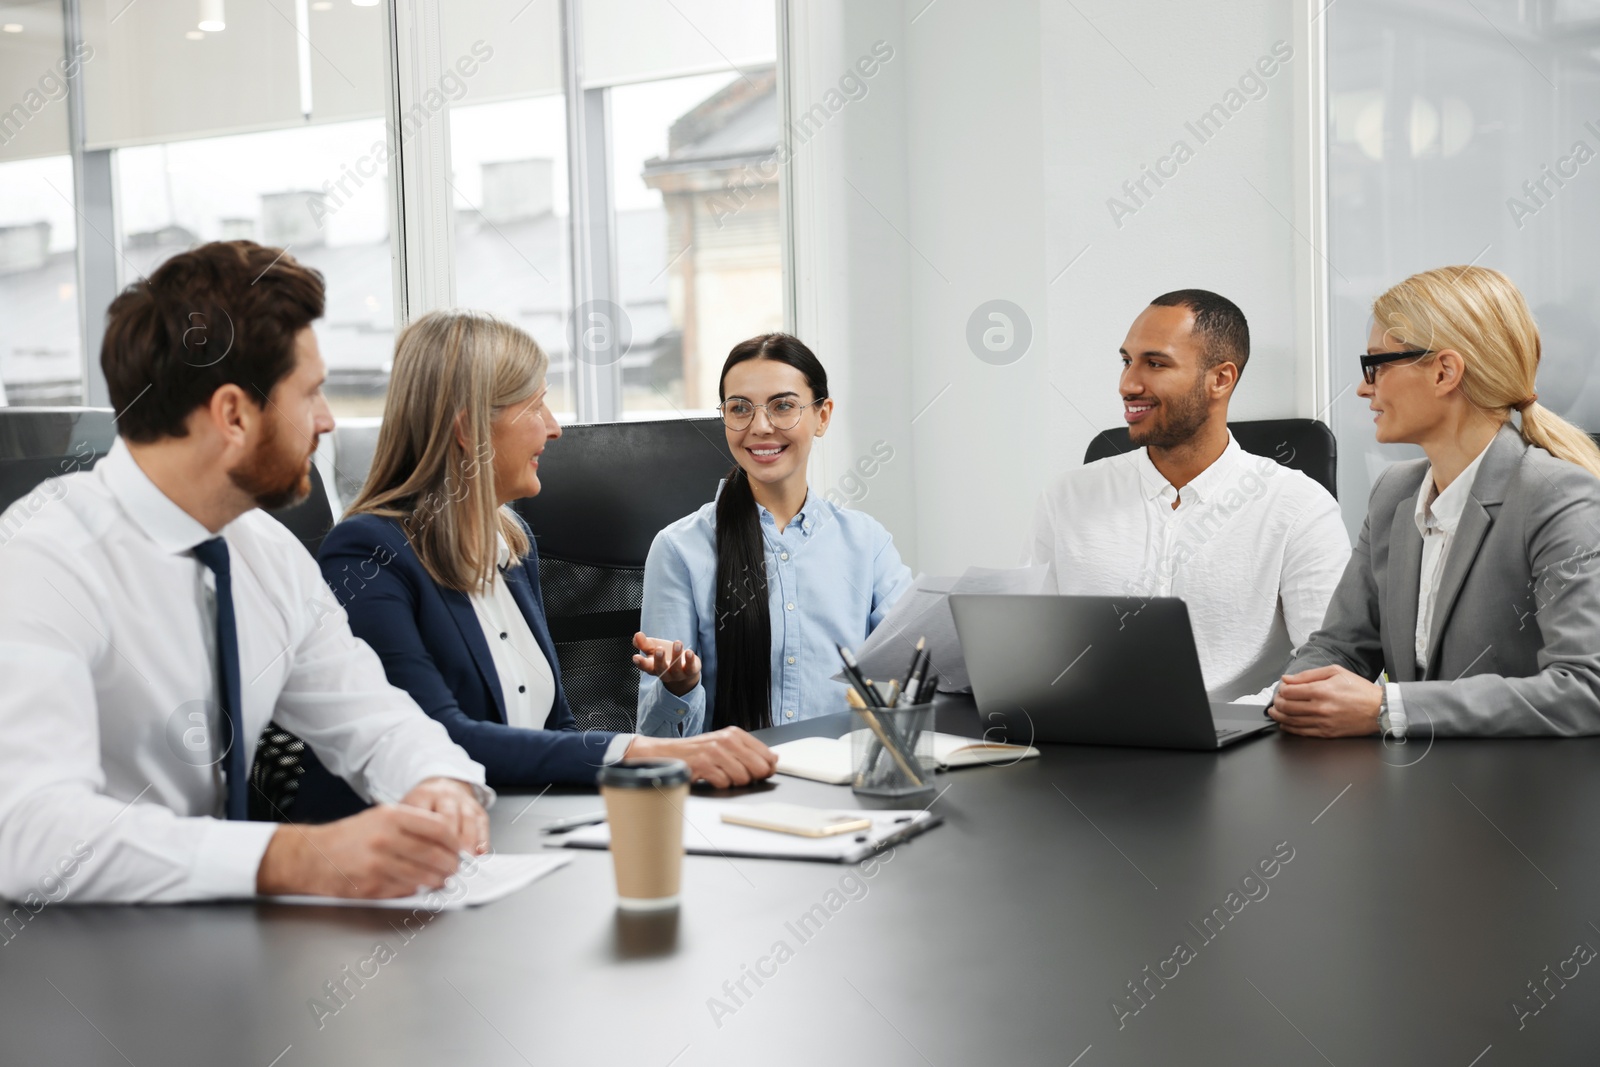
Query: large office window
(1462, 134)
(679, 108)
(40, 351)
(272, 122)
(699, 264)
(511, 214)
(265, 128)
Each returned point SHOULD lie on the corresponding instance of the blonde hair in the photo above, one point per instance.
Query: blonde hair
(452, 370)
(1479, 313)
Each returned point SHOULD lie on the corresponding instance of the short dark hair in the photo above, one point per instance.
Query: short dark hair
(1218, 323)
(225, 313)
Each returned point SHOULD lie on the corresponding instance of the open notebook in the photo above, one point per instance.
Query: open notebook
(827, 759)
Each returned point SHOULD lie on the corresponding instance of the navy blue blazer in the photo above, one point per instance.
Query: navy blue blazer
(433, 647)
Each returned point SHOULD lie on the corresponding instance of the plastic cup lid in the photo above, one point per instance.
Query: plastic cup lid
(644, 774)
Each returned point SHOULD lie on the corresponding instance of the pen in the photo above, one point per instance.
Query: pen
(573, 822)
(922, 642)
(852, 671)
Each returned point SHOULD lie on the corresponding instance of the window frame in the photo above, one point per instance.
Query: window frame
(420, 203)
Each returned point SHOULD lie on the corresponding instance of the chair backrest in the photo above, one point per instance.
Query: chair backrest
(1304, 444)
(312, 518)
(608, 489)
(41, 443)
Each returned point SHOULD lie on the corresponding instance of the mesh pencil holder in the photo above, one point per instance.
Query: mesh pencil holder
(891, 751)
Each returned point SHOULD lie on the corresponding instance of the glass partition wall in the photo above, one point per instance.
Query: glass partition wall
(1463, 133)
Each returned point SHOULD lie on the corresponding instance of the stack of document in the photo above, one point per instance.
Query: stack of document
(924, 611)
(828, 759)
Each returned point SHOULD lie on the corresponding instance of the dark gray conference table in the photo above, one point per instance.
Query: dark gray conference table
(1428, 886)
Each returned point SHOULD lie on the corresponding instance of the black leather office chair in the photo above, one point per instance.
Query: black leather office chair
(41, 443)
(608, 489)
(1304, 444)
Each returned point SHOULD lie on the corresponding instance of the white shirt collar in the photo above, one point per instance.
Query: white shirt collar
(1444, 509)
(1154, 483)
(172, 529)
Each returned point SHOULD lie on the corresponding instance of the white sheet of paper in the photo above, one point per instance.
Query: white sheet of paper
(924, 611)
(483, 881)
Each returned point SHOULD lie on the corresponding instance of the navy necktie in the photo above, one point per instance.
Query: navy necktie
(214, 554)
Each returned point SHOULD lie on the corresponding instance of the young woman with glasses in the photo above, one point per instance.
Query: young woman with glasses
(1474, 593)
(746, 599)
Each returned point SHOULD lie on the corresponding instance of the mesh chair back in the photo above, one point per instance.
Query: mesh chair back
(275, 775)
(609, 488)
(1304, 444)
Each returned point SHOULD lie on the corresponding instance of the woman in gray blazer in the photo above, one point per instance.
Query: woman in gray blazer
(1475, 588)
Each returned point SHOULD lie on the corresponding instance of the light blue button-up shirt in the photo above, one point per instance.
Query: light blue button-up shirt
(832, 575)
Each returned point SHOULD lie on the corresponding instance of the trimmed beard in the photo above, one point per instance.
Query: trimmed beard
(1183, 419)
(273, 478)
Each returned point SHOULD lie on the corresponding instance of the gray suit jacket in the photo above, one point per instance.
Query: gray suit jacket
(1515, 644)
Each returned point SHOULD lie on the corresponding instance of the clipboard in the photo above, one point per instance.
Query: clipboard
(705, 834)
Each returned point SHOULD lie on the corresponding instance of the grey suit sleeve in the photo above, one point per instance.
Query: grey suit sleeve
(1563, 698)
(1350, 636)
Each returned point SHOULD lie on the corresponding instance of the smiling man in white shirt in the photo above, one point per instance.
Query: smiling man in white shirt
(153, 619)
(1253, 548)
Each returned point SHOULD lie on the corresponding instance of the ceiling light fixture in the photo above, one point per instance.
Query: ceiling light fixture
(212, 19)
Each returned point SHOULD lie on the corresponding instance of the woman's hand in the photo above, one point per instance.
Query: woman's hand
(676, 666)
(1327, 702)
(724, 758)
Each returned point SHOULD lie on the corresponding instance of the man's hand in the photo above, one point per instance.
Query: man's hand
(725, 757)
(459, 805)
(677, 667)
(388, 851)
(1327, 702)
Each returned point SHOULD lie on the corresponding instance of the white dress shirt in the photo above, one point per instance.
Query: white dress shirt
(527, 684)
(1253, 548)
(109, 706)
(1437, 516)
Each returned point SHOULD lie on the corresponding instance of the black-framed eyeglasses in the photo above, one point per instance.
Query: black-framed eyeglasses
(784, 413)
(1371, 363)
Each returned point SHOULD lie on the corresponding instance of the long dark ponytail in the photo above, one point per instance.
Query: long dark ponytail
(744, 626)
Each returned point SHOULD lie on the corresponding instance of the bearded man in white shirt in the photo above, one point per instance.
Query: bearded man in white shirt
(152, 620)
(1253, 548)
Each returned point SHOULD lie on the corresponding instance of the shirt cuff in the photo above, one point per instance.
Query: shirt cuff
(1397, 709)
(667, 715)
(618, 748)
(455, 772)
(228, 859)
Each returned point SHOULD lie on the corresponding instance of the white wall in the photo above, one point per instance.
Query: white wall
(978, 168)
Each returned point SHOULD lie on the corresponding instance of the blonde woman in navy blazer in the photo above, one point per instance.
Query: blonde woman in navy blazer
(441, 578)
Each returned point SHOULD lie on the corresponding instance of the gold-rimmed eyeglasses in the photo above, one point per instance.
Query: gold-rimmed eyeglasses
(784, 413)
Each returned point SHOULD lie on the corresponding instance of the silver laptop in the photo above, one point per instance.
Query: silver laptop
(1094, 670)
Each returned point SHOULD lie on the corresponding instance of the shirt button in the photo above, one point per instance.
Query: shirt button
(502, 635)
(791, 659)
(522, 689)
(788, 715)
(783, 555)
(789, 606)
